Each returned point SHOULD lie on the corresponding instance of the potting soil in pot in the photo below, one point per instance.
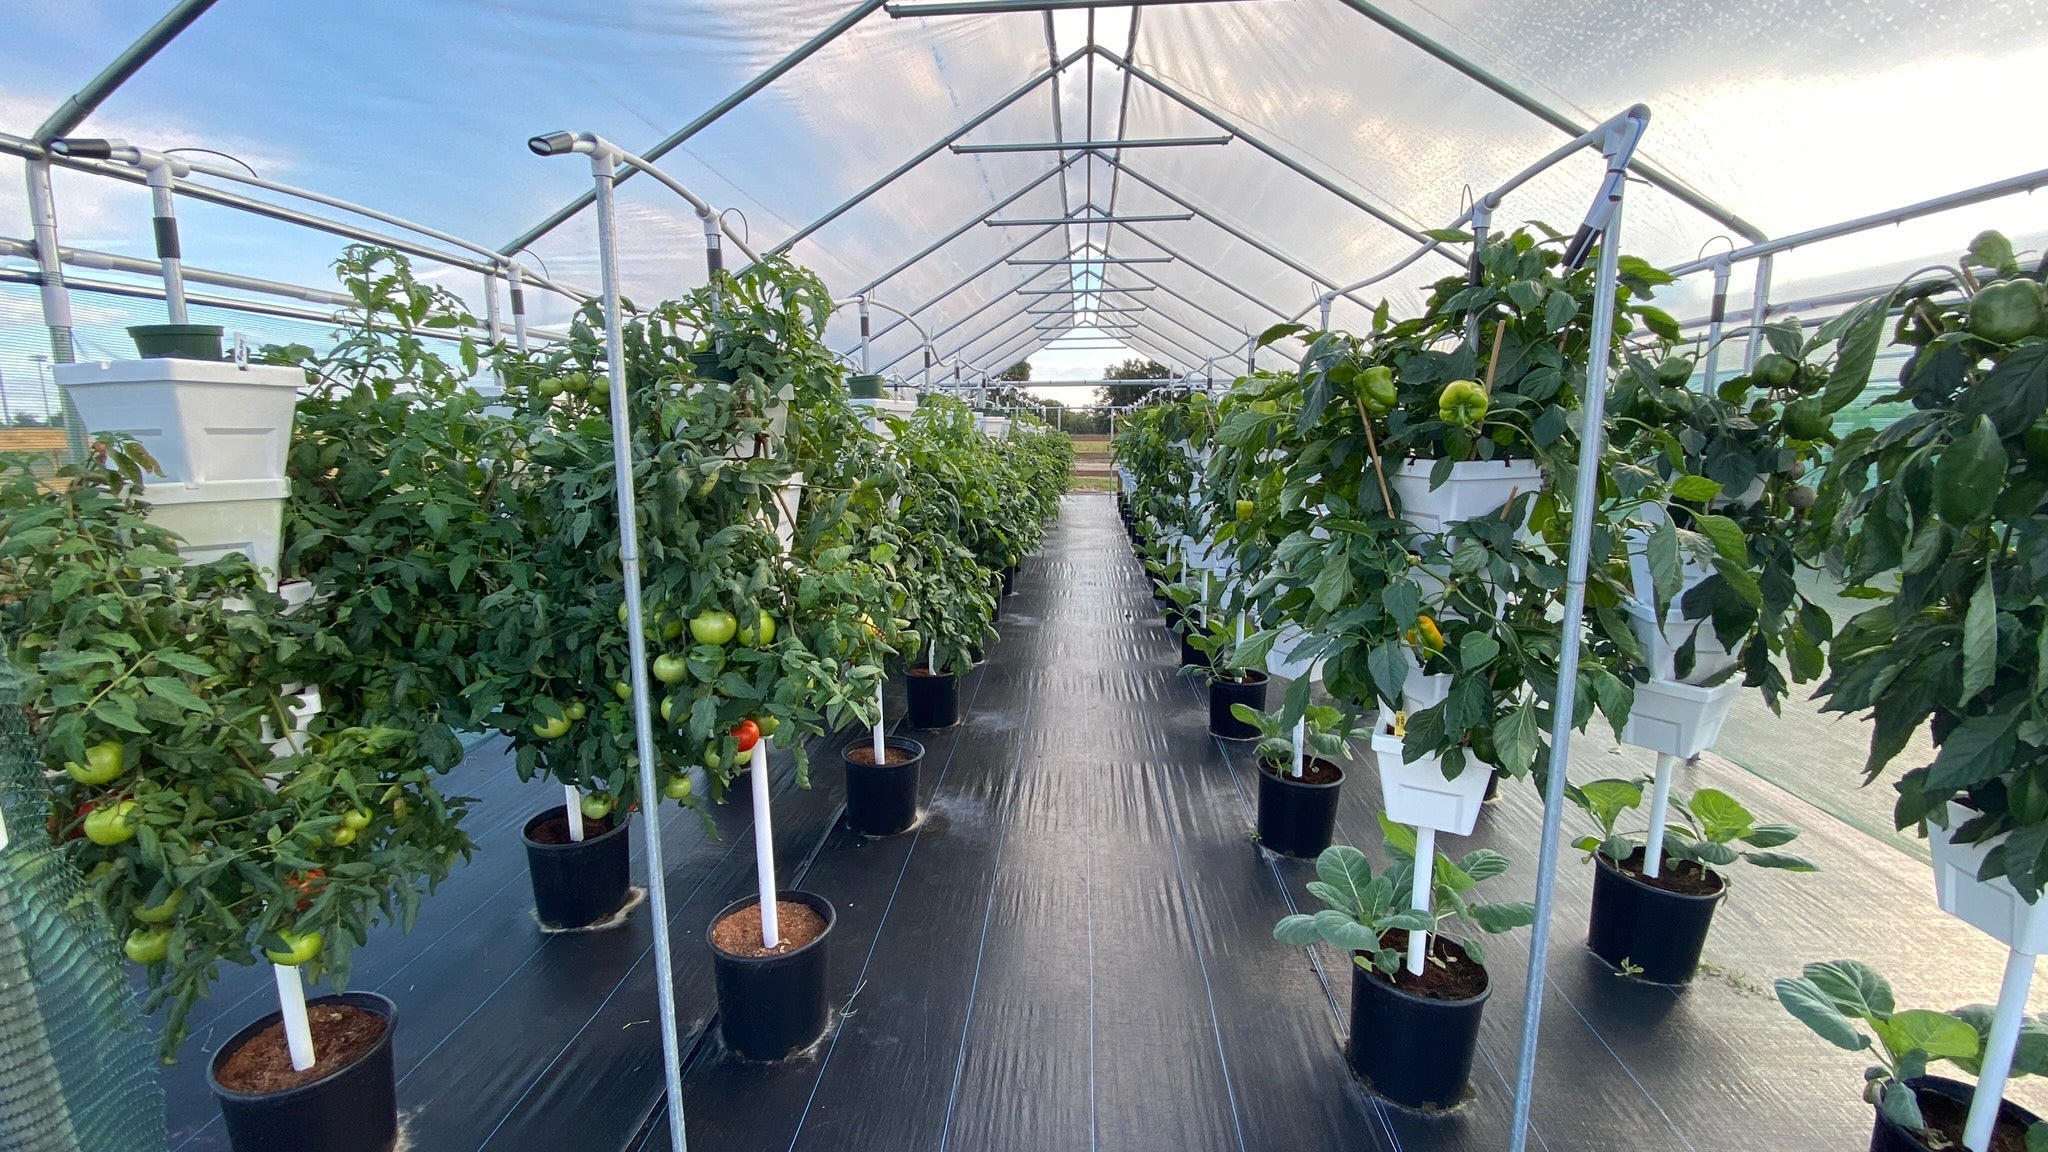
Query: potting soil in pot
(1313, 771)
(1684, 877)
(865, 754)
(740, 933)
(342, 1033)
(1946, 1116)
(556, 830)
(1448, 975)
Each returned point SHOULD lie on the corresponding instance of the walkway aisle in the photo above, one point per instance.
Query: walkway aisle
(1073, 951)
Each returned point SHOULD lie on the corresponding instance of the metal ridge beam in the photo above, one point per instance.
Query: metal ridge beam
(1158, 218)
(1093, 145)
(79, 105)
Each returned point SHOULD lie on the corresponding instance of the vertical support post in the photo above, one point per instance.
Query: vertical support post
(1759, 307)
(1660, 815)
(291, 1002)
(714, 249)
(1475, 271)
(164, 218)
(1323, 303)
(764, 849)
(42, 212)
(864, 335)
(1419, 895)
(1998, 1047)
(1584, 501)
(1715, 319)
(604, 172)
(515, 283)
(494, 323)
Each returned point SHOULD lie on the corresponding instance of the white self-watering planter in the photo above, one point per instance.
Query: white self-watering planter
(1419, 794)
(1677, 719)
(1661, 643)
(1278, 657)
(902, 409)
(1993, 907)
(996, 425)
(1475, 488)
(1691, 573)
(219, 433)
(1421, 691)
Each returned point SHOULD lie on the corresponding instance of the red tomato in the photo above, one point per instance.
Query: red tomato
(307, 885)
(748, 734)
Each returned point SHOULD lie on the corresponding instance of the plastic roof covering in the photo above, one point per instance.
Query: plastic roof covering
(1789, 114)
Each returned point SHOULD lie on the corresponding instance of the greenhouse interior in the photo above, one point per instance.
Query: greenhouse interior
(1023, 574)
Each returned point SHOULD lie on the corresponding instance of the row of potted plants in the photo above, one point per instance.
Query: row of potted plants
(246, 758)
(1388, 523)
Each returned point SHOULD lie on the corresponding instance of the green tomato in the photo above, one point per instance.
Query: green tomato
(552, 729)
(677, 788)
(161, 913)
(576, 710)
(1462, 404)
(344, 836)
(103, 762)
(761, 634)
(596, 807)
(768, 725)
(672, 669)
(549, 388)
(299, 947)
(355, 818)
(714, 626)
(622, 690)
(147, 945)
(110, 826)
(668, 704)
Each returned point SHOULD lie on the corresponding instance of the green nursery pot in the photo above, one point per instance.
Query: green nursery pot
(867, 386)
(177, 341)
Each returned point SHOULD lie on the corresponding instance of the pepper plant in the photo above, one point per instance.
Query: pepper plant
(1938, 520)
(157, 692)
(1362, 908)
(1710, 829)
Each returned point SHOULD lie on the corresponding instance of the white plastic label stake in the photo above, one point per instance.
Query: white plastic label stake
(1660, 813)
(1300, 734)
(764, 849)
(574, 807)
(1418, 894)
(1998, 1047)
(298, 1031)
(880, 747)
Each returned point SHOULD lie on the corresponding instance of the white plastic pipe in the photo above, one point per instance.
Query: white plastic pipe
(1418, 894)
(880, 745)
(298, 1030)
(574, 801)
(1300, 735)
(2005, 1032)
(1660, 812)
(764, 848)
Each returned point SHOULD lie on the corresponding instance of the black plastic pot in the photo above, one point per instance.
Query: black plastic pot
(577, 885)
(1190, 656)
(705, 366)
(1887, 1135)
(1411, 1050)
(352, 1109)
(881, 800)
(933, 699)
(1654, 930)
(1297, 818)
(1010, 580)
(770, 1007)
(1223, 693)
